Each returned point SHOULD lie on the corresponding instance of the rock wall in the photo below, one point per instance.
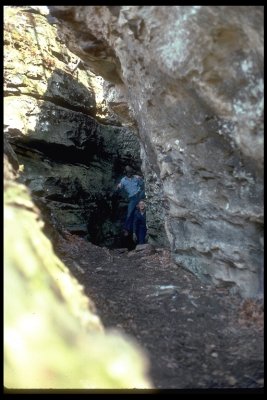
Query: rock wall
(192, 77)
(55, 142)
(71, 146)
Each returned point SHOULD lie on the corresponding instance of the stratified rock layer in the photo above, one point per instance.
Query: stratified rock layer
(193, 80)
(72, 147)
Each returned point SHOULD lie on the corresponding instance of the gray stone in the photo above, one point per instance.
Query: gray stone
(188, 82)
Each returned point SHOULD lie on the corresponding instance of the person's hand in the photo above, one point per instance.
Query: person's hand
(134, 237)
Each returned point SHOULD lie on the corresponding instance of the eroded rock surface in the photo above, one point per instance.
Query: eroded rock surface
(73, 149)
(193, 79)
(188, 82)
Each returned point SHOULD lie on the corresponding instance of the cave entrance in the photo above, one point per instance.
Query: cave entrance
(75, 189)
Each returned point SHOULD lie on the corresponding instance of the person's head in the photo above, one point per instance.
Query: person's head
(128, 170)
(141, 205)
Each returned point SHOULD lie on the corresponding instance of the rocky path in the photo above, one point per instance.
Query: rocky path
(195, 336)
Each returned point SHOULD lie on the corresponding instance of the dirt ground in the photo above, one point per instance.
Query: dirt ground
(195, 336)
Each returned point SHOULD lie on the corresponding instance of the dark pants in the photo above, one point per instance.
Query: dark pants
(133, 201)
(141, 234)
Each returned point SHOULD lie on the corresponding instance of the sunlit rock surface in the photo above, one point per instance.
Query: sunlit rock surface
(189, 83)
(72, 147)
(193, 79)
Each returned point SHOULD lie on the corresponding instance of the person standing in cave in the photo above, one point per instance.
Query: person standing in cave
(134, 187)
(139, 223)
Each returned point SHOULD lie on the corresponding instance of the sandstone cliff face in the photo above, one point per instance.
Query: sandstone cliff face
(72, 147)
(188, 82)
(192, 77)
(53, 337)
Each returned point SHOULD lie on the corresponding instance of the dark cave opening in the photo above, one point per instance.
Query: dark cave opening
(96, 214)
